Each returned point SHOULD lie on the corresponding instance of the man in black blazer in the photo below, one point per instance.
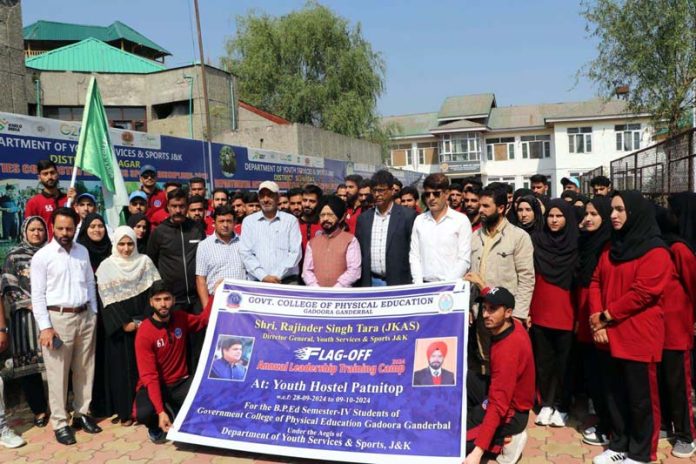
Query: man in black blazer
(384, 233)
(434, 374)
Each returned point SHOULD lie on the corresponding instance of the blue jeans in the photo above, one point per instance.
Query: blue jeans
(376, 282)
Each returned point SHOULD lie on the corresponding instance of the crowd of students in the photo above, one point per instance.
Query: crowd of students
(572, 297)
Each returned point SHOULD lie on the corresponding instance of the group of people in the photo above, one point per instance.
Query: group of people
(569, 296)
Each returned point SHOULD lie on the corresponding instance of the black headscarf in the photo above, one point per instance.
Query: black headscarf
(572, 194)
(556, 253)
(591, 244)
(669, 226)
(538, 222)
(520, 192)
(640, 233)
(142, 242)
(683, 204)
(98, 251)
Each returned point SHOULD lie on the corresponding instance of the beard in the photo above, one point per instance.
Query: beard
(492, 219)
(329, 228)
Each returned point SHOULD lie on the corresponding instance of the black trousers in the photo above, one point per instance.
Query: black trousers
(477, 392)
(595, 365)
(551, 355)
(194, 342)
(33, 388)
(173, 397)
(633, 402)
(675, 394)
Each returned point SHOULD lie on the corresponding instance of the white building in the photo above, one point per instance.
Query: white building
(471, 136)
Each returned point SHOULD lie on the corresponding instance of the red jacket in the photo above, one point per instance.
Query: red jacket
(352, 215)
(160, 351)
(308, 231)
(157, 218)
(42, 205)
(156, 201)
(632, 293)
(678, 305)
(551, 306)
(685, 262)
(512, 381)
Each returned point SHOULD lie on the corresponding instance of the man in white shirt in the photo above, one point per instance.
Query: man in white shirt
(441, 237)
(64, 304)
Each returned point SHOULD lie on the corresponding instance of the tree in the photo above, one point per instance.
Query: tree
(649, 46)
(309, 67)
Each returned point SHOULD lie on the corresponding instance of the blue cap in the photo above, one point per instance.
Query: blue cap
(570, 180)
(147, 168)
(137, 194)
(86, 195)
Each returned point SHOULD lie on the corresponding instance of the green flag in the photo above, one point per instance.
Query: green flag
(95, 154)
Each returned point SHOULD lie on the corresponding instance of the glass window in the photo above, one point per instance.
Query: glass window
(536, 146)
(580, 139)
(627, 137)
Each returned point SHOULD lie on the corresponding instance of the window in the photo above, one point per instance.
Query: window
(171, 109)
(536, 146)
(427, 153)
(500, 149)
(627, 137)
(505, 180)
(456, 148)
(122, 117)
(401, 155)
(580, 140)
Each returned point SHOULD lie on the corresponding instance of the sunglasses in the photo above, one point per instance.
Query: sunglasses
(434, 193)
(148, 175)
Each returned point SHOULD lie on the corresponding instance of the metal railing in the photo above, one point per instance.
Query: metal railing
(587, 176)
(660, 169)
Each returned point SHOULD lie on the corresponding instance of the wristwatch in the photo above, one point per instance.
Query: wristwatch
(603, 317)
(4, 330)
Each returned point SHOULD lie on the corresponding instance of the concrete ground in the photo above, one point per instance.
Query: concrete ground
(117, 444)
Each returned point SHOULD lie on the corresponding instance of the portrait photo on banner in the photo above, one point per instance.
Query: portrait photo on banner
(232, 357)
(435, 362)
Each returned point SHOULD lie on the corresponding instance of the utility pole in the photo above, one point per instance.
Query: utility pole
(206, 132)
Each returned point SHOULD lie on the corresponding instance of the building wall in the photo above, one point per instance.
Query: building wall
(13, 98)
(306, 140)
(250, 120)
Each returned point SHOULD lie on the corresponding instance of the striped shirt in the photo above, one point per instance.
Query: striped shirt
(378, 241)
(271, 247)
(216, 259)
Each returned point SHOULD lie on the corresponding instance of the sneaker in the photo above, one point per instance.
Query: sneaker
(544, 416)
(609, 457)
(9, 439)
(558, 419)
(157, 436)
(682, 449)
(512, 451)
(633, 461)
(593, 436)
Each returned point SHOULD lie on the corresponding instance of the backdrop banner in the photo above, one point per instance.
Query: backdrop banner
(334, 374)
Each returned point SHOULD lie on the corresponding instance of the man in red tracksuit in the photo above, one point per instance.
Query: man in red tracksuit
(160, 352)
(50, 198)
(502, 409)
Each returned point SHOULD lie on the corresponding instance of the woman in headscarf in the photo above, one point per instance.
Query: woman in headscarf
(519, 193)
(15, 296)
(528, 214)
(141, 226)
(551, 311)
(123, 280)
(594, 239)
(675, 370)
(683, 205)
(627, 313)
(94, 237)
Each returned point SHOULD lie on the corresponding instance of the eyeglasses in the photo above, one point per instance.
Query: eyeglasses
(148, 175)
(434, 193)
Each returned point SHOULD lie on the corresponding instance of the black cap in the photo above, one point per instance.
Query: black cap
(498, 296)
(159, 286)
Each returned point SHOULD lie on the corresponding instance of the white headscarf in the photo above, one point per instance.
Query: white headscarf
(120, 278)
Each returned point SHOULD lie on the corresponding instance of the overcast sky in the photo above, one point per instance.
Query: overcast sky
(523, 51)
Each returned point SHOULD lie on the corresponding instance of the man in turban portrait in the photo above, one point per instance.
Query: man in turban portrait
(434, 374)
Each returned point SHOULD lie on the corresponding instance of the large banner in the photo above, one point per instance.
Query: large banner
(333, 374)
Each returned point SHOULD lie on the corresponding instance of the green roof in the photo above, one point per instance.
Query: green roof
(92, 55)
(50, 30)
(410, 125)
(466, 106)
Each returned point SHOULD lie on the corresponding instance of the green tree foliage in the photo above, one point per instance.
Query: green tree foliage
(309, 67)
(650, 46)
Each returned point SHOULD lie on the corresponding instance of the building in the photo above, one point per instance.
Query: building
(472, 136)
(52, 67)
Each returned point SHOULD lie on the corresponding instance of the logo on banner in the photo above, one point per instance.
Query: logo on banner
(234, 299)
(308, 352)
(10, 126)
(446, 302)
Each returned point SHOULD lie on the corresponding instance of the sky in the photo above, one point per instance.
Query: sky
(522, 51)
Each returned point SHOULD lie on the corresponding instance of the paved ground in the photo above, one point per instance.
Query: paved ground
(118, 444)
